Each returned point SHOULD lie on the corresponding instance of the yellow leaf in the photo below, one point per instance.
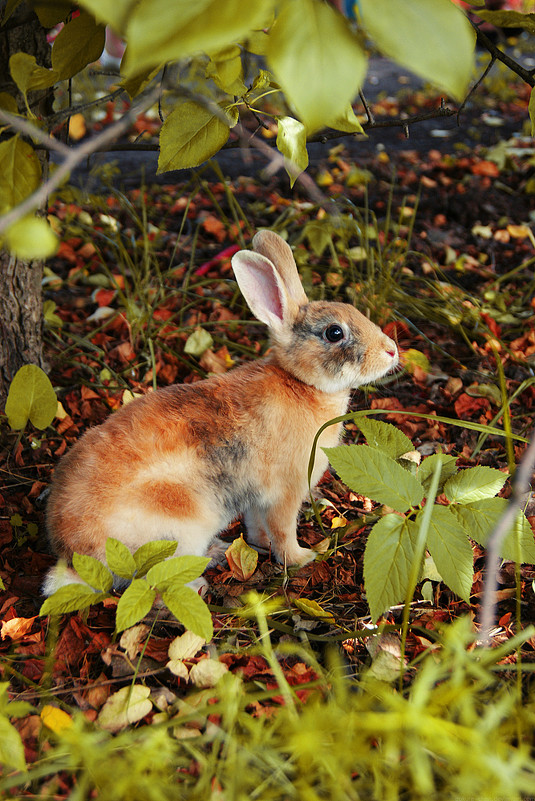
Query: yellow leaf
(242, 559)
(78, 44)
(338, 522)
(31, 238)
(313, 609)
(189, 136)
(77, 127)
(292, 143)
(55, 719)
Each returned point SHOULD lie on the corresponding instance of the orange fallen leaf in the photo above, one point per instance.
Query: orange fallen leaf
(16, 628)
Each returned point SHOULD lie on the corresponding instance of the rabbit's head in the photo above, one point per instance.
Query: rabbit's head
(328, 345)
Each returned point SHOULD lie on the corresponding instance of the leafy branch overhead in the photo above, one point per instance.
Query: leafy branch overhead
(295, 67)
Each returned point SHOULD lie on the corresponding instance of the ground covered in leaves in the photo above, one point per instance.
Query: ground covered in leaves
(436, 246)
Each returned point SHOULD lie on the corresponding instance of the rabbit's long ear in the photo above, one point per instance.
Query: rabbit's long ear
(271, 245)
(263, 289)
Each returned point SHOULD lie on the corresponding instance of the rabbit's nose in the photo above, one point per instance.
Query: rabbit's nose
(391, 351)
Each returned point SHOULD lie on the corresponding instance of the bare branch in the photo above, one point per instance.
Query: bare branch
(498, 55)
(73, 156)
(521, 486)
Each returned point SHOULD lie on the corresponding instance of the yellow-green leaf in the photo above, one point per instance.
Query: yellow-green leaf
(225, 69)
(31, 397)
(159, 31)
(52, 12)
(127, 705)
(317, 60)
(347, 122)
(313, 609)
(242, 559)
(292, 143)
(20, 172)
(433, 38)
(28, 75)
(115, 13)
(78, 44)
(189, 136)
(31, 238)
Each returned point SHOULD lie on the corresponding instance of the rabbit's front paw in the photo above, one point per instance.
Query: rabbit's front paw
(298, 556)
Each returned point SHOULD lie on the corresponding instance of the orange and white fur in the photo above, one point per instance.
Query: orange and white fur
(183, 462)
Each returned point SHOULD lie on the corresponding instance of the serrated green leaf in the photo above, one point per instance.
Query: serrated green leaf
(198, 342)
(20, 172)
(388, 556)
(31, 397)
(31, 238)
(400, 28)
(427, 468)
(79, 43)
(385, 437)
(11, 747)
(151, 553)
(29, 75)
(179, 570)
(71, 598)
(190, 136)
(190, 609)
(375, 475)
(159, 31)
(451, 551)
(317, 60)
(292, 143)
(93, 572)
(479, 519)
(474, 484)
(119, 559)
(134, 604)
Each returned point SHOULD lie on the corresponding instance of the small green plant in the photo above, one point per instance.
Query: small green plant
(150, 571)
(31, 397)
(385, 471)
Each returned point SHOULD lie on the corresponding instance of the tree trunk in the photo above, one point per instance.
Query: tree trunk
(21, 318)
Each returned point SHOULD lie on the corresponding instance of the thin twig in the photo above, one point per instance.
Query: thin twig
(521, 485)
(514, 66)
(73, 157)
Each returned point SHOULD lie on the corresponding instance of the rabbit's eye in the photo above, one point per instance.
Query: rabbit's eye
(334, 333)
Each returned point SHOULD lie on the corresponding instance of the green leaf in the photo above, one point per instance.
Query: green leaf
(20, 172)
(451, 551)
(134, 604)
(347, 122)
(312, 608)
(31, 397)
(225, 69)
(427, 468)
(375, 475)
(433, 38)
(388, 556)
(179, 570)
(479, 519)
(198, 342)
(292, 143)
(191, 135)
(31, 238)
(317, 60)
(151, 553)
(93, 572)
(385, 437)
(190, 609)
(119, 559)
(159, 31)
(29, 76)
(509, 19)
(78, 44)
(71, 598)
(52, 12)
(474, 484)
(11, 747)
(116, 13)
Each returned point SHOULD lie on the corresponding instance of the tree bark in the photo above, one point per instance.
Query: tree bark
(21, 318)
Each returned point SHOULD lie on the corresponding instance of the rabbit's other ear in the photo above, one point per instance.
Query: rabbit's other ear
(279, 252)
(264, 290)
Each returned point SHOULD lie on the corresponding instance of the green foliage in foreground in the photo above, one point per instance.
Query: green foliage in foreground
(150, 571)
(385, 471)
(459, 732)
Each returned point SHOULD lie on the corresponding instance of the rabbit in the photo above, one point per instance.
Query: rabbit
(183, 462)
